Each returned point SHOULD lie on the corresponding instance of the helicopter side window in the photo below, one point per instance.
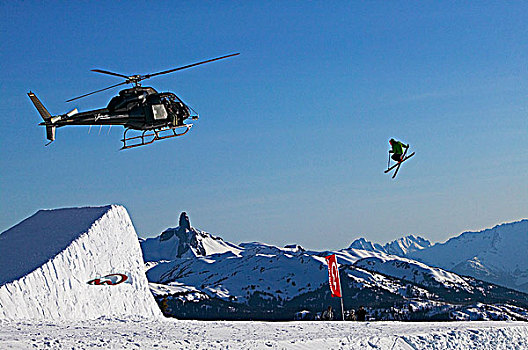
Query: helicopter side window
(159, 111)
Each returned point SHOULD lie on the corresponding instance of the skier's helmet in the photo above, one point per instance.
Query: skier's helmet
(391, 141)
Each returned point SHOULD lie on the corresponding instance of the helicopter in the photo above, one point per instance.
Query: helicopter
(155, 115)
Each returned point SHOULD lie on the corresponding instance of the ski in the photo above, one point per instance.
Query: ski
(395, 165)
(399, 164)
(390, 168)
(402, 159)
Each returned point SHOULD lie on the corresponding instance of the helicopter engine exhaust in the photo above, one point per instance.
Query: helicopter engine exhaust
(72, 112)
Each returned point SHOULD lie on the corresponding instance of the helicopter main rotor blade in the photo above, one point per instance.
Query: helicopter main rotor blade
(109, 73)
(188, 66)
(135, 79)
(94, 92)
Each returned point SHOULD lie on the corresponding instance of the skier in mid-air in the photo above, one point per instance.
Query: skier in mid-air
(398, 155)
(397, 150)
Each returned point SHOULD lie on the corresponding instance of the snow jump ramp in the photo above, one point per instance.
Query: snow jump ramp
(74, 263)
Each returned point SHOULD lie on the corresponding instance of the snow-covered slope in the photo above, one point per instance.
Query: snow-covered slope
(414, 271)
(255, 267)
(497, 255)
(285, 273)
(47, 260)
(400, 247)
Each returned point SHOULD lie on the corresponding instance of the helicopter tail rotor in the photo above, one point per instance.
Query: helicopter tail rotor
(50, 133)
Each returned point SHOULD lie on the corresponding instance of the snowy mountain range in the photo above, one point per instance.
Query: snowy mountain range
(400, 247)
(496, 255)
(186, 264)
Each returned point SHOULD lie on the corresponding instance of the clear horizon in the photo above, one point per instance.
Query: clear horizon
(218, 234)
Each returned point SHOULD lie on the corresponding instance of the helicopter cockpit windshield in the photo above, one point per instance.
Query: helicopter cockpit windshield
(176, 109)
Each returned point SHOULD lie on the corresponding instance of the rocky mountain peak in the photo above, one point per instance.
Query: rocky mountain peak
(184, 241)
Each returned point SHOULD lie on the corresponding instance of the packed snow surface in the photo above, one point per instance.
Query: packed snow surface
(48, 259)
(174, 334)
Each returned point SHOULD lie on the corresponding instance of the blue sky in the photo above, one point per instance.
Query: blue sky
(293, 135)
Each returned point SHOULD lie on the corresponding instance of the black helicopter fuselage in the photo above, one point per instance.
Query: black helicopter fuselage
(138, 108)
(157, 116)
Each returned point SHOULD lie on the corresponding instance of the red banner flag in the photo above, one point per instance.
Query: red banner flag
(333, 275)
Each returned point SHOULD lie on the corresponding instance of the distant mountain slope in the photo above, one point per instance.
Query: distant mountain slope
(400, 247)
(498, 255)
(406, 245)
(414, 271)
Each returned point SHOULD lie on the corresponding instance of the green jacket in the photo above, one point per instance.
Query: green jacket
(397, 147)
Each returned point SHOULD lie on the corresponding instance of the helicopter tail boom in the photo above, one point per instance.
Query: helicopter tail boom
(40, 107)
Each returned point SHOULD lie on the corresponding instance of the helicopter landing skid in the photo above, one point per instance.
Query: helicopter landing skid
(149, 136)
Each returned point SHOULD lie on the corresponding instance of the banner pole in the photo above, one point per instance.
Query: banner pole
(342, 309)
(341, 292)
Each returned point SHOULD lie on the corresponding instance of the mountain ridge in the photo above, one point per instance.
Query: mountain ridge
(495, 254)
(264, 281)
(401, 246)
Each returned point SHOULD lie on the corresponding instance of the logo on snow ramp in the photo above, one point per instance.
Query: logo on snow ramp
(111, 280)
